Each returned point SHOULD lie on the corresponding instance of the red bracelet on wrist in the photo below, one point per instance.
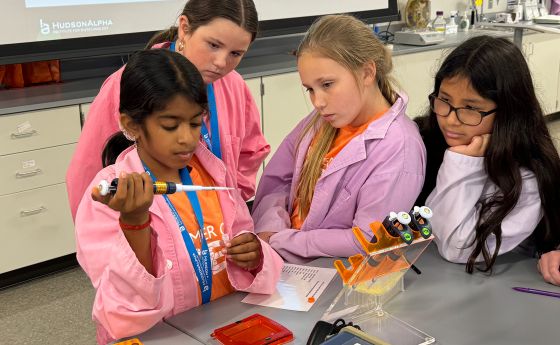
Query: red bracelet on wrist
(125, 226)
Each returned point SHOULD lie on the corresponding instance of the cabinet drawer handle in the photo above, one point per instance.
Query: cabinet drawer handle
(37, 210)
(28, 173)
(23, 134)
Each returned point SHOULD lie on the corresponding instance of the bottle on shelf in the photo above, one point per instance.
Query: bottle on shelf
(439, 23)
(464, 23)
(451, 26)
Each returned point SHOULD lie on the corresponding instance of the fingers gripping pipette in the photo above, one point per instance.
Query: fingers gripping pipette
(160, 187)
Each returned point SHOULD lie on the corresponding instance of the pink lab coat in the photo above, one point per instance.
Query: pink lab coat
(128, 299)
(244, 147)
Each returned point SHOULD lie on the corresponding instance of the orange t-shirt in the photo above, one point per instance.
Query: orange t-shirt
(213, 226)
(343, 137)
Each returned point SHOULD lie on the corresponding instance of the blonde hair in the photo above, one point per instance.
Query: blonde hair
(352, 44)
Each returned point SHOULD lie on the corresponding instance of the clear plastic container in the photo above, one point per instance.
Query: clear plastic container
(464, 23)
(439, 23)
(451, 27)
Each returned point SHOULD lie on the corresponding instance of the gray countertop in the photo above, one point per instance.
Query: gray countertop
(444, 301)
(259, 65)
(164, 334)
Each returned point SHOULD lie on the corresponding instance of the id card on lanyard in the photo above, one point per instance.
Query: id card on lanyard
(202, 263)
(211, 139)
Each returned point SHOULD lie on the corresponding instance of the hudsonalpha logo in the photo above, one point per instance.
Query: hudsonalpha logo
(45, 28)
(86, 25)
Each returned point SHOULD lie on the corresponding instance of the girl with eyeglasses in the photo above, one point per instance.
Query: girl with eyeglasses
(493, 172)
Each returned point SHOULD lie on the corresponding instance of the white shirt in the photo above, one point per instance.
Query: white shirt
(461, 183)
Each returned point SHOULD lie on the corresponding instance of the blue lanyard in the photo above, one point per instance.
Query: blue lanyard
(202, 263)
(212, 141)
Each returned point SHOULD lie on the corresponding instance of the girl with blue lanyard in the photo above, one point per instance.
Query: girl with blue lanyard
(150, 257)
(214, 35)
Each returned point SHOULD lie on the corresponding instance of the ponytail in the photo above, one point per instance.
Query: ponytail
(116, 144)
(385, 81)
(313, 165)
(169, 35)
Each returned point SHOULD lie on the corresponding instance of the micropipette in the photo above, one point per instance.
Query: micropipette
(160, 187)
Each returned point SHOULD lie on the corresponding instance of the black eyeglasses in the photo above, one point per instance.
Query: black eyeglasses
(467, 116)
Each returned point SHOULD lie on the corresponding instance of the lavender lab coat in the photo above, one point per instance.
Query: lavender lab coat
(379, 171)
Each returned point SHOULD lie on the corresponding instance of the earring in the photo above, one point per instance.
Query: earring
(129, 136)
(181, 46)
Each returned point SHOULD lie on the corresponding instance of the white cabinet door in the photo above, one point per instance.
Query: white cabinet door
(543, 56)
(35, 226)
(254, 85)
(33, 169)
(84, 110)
(415, 75)
(39, 129)
(285, 103)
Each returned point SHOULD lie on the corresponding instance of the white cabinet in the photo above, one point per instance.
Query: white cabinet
(254, 85)
(84, 110)
(284, 104)
(415, 75)
(543, 56)
(35, 150)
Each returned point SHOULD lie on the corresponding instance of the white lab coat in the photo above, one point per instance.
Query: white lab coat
(461, 183)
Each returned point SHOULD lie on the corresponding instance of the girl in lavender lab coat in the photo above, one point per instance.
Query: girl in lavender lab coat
(353, 160)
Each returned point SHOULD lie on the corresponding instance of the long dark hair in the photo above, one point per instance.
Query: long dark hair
(497, 70)
(202, 12)
(149, 81)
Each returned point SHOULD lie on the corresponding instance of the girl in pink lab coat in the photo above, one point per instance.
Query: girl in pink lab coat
(214, 35)
(151, 257)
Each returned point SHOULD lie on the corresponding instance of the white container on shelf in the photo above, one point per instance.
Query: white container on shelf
(451, 27)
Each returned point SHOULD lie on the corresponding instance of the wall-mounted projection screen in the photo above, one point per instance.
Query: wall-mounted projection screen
(41, 29)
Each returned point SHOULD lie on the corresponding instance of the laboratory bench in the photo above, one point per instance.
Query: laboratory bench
(443, 301)
(40, 127)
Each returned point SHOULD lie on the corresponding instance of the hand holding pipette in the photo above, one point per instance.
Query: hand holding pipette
(160, 187)
(133, 194)
(132, 201)
(132, 198)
